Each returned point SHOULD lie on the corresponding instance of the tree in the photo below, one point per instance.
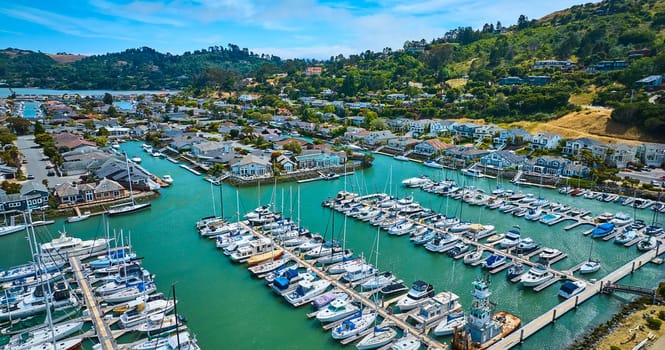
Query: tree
(103, 132)
(294, 147)
(19, 126)
(522, 22)
(39, 128)
(107, 99)
(11, 187)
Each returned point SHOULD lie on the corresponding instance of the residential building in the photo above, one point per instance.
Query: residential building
(547, 165)
(208, 146)
(620, 155)
(553, 64)
(486, 132)
(439, 127)
(33, 195)
(651, 154)
(419, 127)
(515, 136)
(70, 141)
(651, 81)
(465, 153)
(466, 130)
(503, 160)
(545, 140)
(573, 147)
(402, 143)
(118, 132)
(318, 159)
(431, 147)
(102, 191)
(251, 165)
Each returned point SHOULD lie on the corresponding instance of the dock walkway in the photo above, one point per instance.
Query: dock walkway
(427, 341)
(104, 333)
(550, 316)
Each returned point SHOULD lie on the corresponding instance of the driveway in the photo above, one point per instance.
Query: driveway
(35, 165)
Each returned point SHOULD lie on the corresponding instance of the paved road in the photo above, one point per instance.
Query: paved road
(35, 165)
(644, 176)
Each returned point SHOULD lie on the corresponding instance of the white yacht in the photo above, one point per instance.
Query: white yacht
(448, 324)
(571, 288)
(419, 292)
(536, 275)
(338, 309)
(378, 281)
(67, 246)
(511, 239)
(406, 342)
(306, 291)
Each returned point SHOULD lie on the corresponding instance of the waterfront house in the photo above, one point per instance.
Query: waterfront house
(465, 153)
(202, 148)
(116, 169)
(651, 154)
(33, 195)
(503, 160)
(576, 169)
(185, 142)
(118, 132)
(251, 165)
(378, 137)
(402, 143)
(286, 163)
(431, 147)
(104, 190)
(510, 81)
(620, 155)
(545, 140)
(319, 159)
(547, 165)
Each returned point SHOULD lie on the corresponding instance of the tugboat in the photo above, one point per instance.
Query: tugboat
(482, 328)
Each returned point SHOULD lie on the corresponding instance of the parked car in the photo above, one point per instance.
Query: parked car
(31, 177)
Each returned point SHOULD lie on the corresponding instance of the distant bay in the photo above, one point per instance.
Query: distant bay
(4, 92)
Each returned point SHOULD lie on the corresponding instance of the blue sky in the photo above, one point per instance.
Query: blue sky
(287, 28)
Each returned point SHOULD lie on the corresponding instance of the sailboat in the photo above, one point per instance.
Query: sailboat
(591, 265)
(132, 206)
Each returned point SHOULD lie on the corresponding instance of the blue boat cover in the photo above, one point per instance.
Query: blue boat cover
(281, 282)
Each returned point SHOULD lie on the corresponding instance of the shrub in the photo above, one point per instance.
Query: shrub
(661, 315)
(614, 347)
(654, 323)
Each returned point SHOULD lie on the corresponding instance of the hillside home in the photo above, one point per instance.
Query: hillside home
(418, 127)
(515, 136)
(466, 130)
(652, 81)
(441, 127)
(548, 165)
(486, 132)
(651, 154)
(573, 147)
(545, 140)
(620, 155)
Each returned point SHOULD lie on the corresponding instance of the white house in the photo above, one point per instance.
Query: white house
(545, 140)
(251, 165)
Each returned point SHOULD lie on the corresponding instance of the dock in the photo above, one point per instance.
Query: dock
(104, 334)
(369, 304)
(559, 310)
(190, 169)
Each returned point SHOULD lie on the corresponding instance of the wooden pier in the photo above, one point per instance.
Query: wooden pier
(369, 304)
(553, 314)
(104, 334)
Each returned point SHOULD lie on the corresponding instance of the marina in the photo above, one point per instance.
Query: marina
(247, 298)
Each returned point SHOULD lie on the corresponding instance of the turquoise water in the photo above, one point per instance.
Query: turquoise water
(227, 308)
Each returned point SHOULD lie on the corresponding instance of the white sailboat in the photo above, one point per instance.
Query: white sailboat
(132, 206)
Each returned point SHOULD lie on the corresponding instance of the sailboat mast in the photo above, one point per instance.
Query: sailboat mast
(129, 177)
(175, 311)
(221, 199)
(212, 195)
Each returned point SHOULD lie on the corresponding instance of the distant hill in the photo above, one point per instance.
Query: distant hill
(141, 68)
(609, 46)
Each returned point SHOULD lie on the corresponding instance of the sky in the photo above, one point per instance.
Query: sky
(286, 28)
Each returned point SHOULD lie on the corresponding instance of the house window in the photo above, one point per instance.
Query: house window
(88, 196)
(116, 193)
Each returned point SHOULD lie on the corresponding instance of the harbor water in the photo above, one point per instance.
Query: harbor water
(227, 308)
